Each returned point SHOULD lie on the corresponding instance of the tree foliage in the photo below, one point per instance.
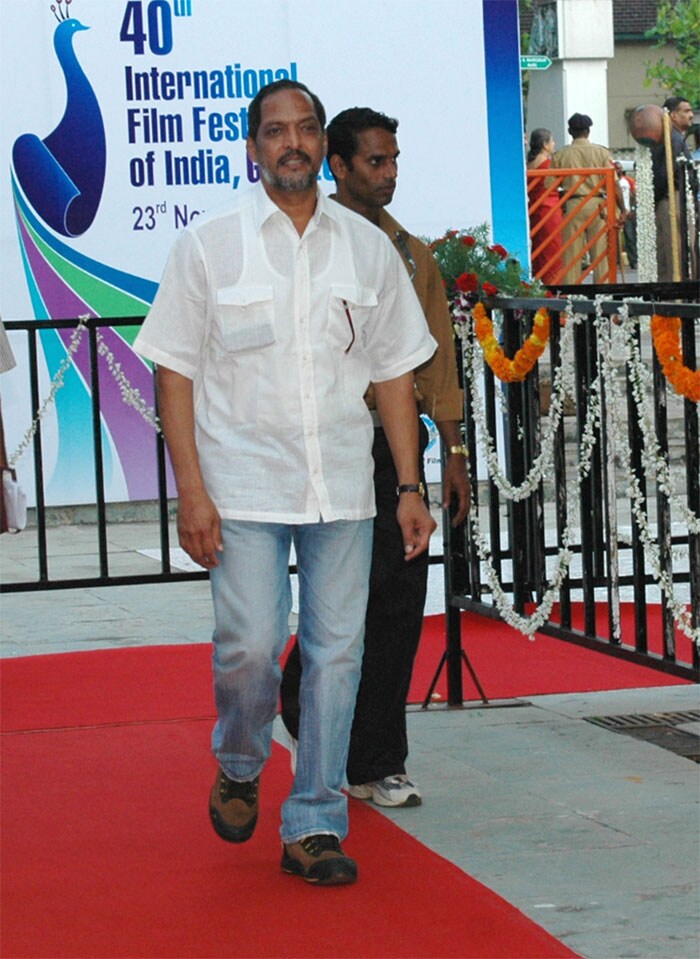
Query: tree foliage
(678, 24)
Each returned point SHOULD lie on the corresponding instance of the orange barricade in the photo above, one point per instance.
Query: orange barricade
(587, 223)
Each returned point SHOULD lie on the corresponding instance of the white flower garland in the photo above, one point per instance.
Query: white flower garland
(681, 614)
(690, 207)
(690, 202)
(605, 352)
(653, 462)
(130, 394)
(562, 387)
(588, 434)
(646, 216)
(527, 625)
(57, 383)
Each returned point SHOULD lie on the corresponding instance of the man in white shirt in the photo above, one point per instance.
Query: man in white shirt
(628, 188)
(271, 319)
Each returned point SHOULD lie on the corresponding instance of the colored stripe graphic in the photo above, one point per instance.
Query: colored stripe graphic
(505, 127)
(63, 285)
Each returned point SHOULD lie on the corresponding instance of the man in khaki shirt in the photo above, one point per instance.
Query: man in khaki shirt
(363, 156)
(582, 154)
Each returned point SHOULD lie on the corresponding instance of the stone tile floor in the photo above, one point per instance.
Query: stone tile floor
(592, 834)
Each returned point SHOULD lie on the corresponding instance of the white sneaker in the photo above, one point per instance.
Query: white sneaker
(391, 791)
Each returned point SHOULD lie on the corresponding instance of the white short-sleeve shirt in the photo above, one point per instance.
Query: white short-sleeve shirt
(281, 335)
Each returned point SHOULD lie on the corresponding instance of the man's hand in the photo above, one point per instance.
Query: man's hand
(417, 525)
(455, 483)
(199, 528)
(198, 520)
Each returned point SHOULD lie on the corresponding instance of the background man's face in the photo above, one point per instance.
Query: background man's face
(682, 116)
(290, 145)
(370, 181)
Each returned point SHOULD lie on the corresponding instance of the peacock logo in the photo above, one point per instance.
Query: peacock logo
(57, 186)
(62, 175)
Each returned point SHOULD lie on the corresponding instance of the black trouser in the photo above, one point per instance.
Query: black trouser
(629, 231)
(378, 742)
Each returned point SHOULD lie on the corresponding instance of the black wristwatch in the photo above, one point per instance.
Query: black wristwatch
(411, 488)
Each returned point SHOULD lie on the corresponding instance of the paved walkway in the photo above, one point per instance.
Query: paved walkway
(591, 833)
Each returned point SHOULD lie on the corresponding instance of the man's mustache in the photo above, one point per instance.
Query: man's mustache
(294, 155)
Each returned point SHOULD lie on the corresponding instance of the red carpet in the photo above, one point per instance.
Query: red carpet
(109, 681)
(510, 665)
(108, 851)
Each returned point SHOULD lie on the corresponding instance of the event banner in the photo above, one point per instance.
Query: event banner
(124, 120)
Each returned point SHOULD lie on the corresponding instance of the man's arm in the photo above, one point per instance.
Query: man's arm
(198, 521)
(396, 406)
(437, 383)
(455, 477)
(620, 200)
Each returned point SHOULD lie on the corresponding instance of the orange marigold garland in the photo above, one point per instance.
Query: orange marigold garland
(515, 370)
(665, 332)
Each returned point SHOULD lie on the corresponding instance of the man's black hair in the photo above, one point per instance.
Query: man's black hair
(255, 108)
(579, 123)
(344, 130)
(672, 103)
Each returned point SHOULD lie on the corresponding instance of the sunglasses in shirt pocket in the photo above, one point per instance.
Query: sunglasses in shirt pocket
(245, 317)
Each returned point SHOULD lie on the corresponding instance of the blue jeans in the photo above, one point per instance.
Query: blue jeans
(252, 601)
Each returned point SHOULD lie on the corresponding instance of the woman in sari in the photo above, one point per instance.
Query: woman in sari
(547, 261)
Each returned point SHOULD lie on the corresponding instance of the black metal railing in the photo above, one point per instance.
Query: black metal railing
(523, 535)
(533, 529)
(44, 580)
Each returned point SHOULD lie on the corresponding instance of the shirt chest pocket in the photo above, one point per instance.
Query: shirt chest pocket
(350, 310)
(245, 317)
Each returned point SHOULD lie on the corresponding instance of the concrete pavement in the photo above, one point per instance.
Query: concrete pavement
(591, 833)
